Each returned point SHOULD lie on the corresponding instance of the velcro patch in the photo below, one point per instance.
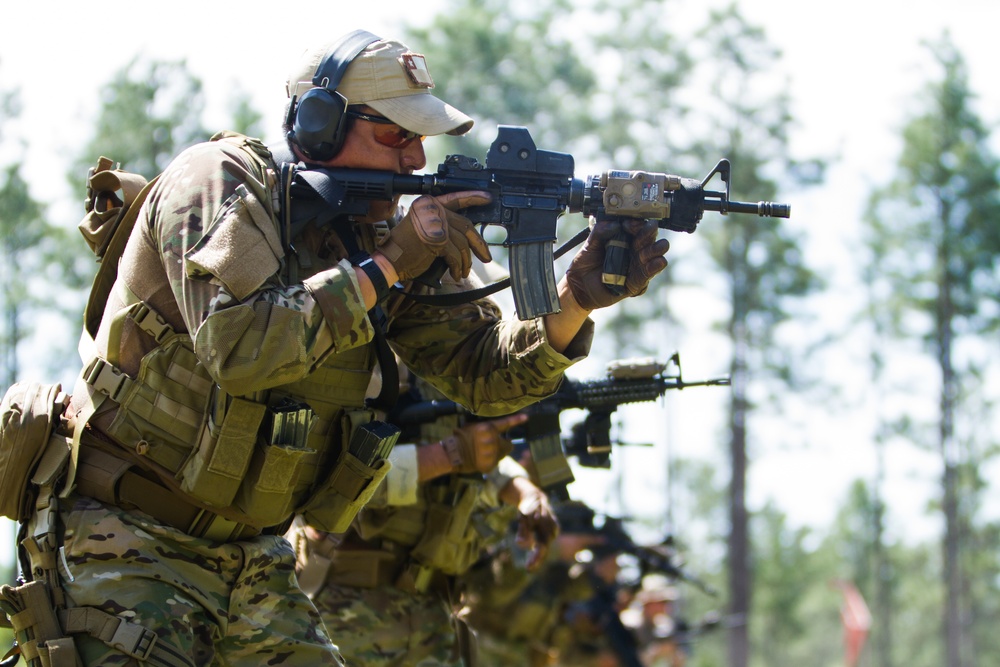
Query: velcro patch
(415, 66)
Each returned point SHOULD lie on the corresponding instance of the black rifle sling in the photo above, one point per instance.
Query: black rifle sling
(320, 199)
(389, 393)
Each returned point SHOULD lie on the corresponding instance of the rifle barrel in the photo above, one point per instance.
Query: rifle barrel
(764, 209)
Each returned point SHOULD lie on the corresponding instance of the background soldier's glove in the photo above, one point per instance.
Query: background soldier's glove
(537, 526)
(646, 259)
(432, 228)
(479, 446)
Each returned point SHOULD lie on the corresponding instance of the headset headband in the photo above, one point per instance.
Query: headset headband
(331, 70)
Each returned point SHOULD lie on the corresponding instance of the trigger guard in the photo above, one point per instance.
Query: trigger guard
(482, 232)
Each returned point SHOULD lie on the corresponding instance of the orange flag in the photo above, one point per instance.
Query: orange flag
(857, 621)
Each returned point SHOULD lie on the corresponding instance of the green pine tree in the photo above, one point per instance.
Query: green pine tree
(933, 232)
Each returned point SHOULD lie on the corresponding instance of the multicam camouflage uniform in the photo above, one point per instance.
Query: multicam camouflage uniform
(590, 632)
(177, 500)
(367, 583)
(515, 613)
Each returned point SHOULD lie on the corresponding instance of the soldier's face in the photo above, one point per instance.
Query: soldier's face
(362, 151)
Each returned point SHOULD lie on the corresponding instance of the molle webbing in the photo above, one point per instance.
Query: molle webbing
(165, 405)
(440, 540)
(112, 480)
(172, 417)
(369, 568)
(451, 543)
(44, 631)
(32, 617)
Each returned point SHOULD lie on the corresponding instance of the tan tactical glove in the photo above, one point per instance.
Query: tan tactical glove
(537, 525)
(479, 446)
(431, 229)
(646, 255)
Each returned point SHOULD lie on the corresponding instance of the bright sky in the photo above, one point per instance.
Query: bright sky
(852, 68)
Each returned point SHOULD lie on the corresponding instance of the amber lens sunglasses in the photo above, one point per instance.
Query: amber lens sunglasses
(387, 132)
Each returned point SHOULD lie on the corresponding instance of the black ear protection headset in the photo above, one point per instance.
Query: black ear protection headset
(317, 118)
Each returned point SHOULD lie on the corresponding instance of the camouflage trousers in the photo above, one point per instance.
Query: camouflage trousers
(388, 627)
(215, 604)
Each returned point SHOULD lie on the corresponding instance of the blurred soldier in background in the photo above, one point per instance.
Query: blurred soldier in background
(388, 586)
(652, 619)
(591, 633)
(516, 612)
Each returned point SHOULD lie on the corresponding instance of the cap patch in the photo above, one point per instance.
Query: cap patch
(415, 66)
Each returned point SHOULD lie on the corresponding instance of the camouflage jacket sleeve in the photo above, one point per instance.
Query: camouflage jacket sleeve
(210, 218)
(490, 365)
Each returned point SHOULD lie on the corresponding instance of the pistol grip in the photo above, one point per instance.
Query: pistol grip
(432, 276)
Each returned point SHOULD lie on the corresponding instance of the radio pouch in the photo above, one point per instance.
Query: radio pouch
(29, 412)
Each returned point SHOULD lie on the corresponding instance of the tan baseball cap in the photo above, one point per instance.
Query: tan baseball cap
(393, 80)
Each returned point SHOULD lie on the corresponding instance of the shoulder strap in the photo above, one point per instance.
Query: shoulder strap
(254, 147)
(109, 251)
(389, 393)
(104, 207)
(107, 272)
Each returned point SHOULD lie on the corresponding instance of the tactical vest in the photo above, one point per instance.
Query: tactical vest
(177, 447)
(457, 526)
(444, 530)
(225, 453)
(508, 602)
(450, 526)
(413, 546)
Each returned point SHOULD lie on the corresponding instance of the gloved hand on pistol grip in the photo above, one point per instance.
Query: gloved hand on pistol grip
(646, 259)
(431, 229)
(479, 446)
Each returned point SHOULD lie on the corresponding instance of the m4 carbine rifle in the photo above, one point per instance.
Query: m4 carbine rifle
(627, 381)
(531, 188)
(577, 518)
(602, 607)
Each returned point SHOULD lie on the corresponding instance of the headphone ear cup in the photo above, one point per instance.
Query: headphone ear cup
(318, 125)
(317, 119)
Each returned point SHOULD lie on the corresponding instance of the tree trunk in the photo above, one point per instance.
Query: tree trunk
(949, 455)
(739, 543)
(739, 535)
(883, 574)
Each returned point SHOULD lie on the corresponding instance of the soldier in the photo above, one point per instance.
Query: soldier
(224, 388)
(515, 611)
(652, 619)
(591, 633)
(388, 588)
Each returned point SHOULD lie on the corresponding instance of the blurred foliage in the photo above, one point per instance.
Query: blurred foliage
(150, 110)
(246, 119)
(932, 241)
